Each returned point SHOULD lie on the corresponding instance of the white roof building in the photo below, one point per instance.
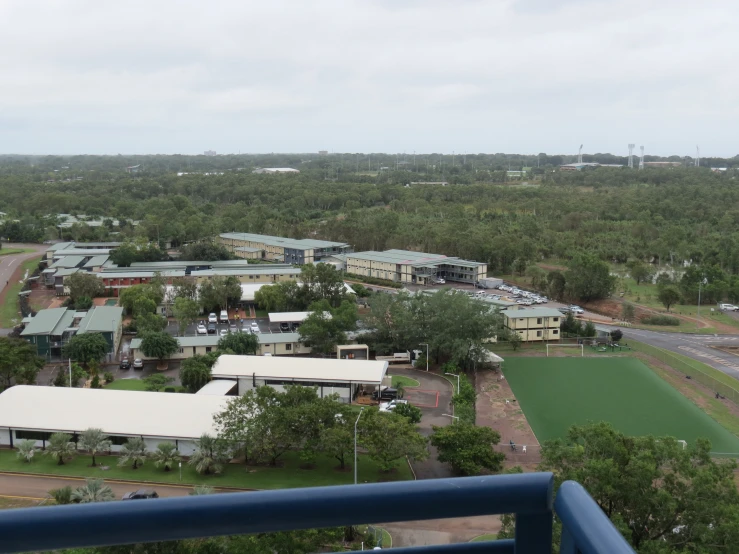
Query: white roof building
(33, 412)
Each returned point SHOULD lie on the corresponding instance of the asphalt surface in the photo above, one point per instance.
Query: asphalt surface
(37, 487)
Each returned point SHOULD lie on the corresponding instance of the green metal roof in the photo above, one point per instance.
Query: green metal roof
(416, 259)
(68, 261)
(96, 261)
(49, 322)
(66, 272)
(101, 319)
(212, 340)
(295, 244)
(532, 312)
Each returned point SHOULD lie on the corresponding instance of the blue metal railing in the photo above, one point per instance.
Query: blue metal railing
(587, 530)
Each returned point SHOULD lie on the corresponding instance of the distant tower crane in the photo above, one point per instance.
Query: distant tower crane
(641, 159)
(579, 155)
(631, 155)
(697, 157)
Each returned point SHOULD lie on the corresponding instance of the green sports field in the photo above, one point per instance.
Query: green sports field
(556, 393)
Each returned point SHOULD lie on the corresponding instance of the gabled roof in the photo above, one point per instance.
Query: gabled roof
(49, 322)
(532, 312)
(101, 319)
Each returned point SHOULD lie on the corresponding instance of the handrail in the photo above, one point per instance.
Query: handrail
(585, 527)
(529, 496)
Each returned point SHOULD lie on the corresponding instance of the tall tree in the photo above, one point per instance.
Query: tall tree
(640, 271)
(194, 373)
(185, 311)
(94, 441)
(83, 284)
(133, 452)
(325, 328)
(239, 343)
(467, 448)
(159, 345)
(60, 447)
(668, 295)
(390, 438)
(589, 278)
(87, 349)
(19, 363)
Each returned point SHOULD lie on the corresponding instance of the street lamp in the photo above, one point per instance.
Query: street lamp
(355, 443)
(457, 376)
(427, 354)
(702, 282)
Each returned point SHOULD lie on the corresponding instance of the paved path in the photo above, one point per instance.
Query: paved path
(37, 487)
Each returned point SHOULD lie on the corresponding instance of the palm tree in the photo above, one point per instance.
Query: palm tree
(94, 490)
(62, 496)
(166, 455)
(209, 455)
(26, 449)
(199, 490)
(134, 451)
(60, 447)
(94, 440)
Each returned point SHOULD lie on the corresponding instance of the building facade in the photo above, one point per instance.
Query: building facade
(280, 249)
(534, 324)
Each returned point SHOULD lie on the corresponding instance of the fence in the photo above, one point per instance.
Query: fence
(690, 368)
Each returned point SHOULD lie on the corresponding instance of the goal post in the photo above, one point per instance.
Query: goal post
(580, 346)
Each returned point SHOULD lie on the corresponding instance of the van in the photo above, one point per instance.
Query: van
(223, 318)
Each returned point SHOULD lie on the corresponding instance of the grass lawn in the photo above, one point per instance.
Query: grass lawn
(9, 311)
(405, 381)
(127, 384)
(9, 251)
(483, 538)
(556, 393)
(290, 475)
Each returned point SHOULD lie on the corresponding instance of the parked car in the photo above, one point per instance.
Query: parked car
(728, 307)
(223, 332)
(140, 494)
(212, 318)
(385, 394)
(125, 363)
(390, 406)
(232, 328)
(285, 327)
(224, 316)
(577, 310)
(255, 327)
(439, 281)
(202, 330)
(212, 329)
(138, 363)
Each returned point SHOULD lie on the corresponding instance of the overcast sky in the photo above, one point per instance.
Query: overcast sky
(515, 76)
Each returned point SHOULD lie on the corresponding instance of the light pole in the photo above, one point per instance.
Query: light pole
(454, 418)
(702, 282)
(70, 372)
(457, 376)
(427, 354)
(355, 444)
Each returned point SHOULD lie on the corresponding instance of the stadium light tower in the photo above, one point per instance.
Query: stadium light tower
(641, 159)
(579, 155)
(631, 155)
(697, 157)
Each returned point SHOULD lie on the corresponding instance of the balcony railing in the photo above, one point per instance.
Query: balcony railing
(586, 529)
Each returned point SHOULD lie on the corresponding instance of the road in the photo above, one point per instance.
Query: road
(37, 487)
(9, 263)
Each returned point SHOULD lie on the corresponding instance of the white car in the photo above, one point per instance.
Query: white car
(212, 318)
(728, 307)
(223, 332)
(390, 406)
(255, 327)
(577, 310)
(202, 330)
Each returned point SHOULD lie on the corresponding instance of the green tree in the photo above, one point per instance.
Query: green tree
(219, 292)
(185, 311)
(556, 284)
(94, 441)
(195, 373)
(661, 496)
(19, 363)
(389, 438)
(538, 277)
(166, 455)
(205, 251)
(133, 452)
(589, 278)
(159, 345)
(589, 330)
(83, 303)
(616, 335)
(62, 495)
(627, 311)
(156, 382)
(239, 343)
(467, 448)
(410, 412)
(94, 490)
(668, 295)
(325, 327)
(26, 450)
(150, 323)
(140, 299)
(62, 378)
(87, 348)
(514, 339)
(60, 447)
(209, 456)
(640, 271)
(338, 441)
(83, 284)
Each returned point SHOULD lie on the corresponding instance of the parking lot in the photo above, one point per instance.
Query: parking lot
(263, 326)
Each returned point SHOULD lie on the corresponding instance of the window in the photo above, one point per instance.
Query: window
(182, 350)
(555, 331)
(32, 435)
(288, 347)
(117, 440)
(555, 320)
(208, 348)
(538, 333)
(538, 321)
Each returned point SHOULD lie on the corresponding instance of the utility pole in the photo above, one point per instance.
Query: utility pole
(355, 443)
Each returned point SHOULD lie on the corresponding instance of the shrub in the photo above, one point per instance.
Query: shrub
(109, 377)
(169, 389)
(95, 383)
(661, 320)
(83, 303)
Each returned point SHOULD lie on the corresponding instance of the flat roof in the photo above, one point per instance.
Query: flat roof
(101, 319)
(289, 317)
(264, 269)
(49, 322)
(296, 244)
(408, 257)
(116, 412)
(218, 387)
(301, 369)
(532, 312)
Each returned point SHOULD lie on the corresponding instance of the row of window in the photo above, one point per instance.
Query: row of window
(273, 382)
(116, 440)
(538, 333)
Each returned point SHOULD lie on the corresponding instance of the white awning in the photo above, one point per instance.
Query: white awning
(292, 317)
(218, 387)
